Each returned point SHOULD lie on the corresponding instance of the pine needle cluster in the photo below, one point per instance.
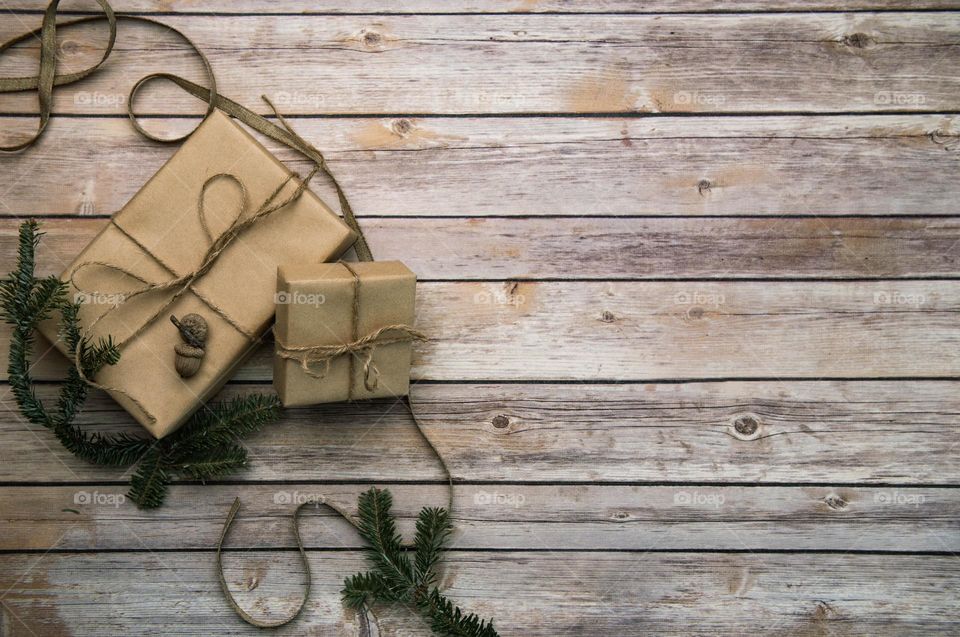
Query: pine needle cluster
(397, 578)
(206, 447)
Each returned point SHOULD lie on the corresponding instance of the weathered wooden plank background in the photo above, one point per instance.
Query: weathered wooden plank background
(691, 273)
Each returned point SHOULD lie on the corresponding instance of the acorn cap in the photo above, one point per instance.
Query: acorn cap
(196, 326)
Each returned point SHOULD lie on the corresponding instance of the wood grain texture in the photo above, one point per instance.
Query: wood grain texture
(871, 165)
(772, 432)
(614, 248)
(501, 516)
(643, 443)
(629, 594)
(500, 6)
(632, 331)
(753, 63)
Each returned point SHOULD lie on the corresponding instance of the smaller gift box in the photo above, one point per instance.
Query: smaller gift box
(344, 331)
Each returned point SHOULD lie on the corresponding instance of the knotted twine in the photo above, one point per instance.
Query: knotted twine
(185, 282)
(360, 347)
(44, 82)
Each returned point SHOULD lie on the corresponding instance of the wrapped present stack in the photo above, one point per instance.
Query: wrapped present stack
(203, 238)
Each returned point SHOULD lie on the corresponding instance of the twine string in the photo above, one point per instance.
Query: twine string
(183, 283)
(45, 82)
(360, 347)
(311, 355)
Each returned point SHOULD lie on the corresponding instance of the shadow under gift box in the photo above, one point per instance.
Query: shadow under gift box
(163, 218)
(316, 306)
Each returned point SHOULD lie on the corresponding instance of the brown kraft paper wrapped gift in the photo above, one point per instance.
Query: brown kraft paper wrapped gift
(322, 309)
(159, 236)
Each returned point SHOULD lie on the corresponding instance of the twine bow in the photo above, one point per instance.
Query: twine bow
(362, 348)
(185, 282)
(359, 348)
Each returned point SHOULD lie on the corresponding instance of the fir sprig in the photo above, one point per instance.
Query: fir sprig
(395, 579)
(206, 447)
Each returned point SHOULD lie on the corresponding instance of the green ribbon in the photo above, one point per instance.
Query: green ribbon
(47, 79)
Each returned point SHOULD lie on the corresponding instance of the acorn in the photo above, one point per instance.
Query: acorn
(189, 354)
(188, 359)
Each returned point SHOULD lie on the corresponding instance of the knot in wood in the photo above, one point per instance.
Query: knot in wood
(501, 421)
(67, 48)
(857, 40)
(402, 127)
(746, 425)
(835, 502)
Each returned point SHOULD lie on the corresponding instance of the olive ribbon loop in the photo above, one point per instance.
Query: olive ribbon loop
(48, 78)
(244, 615)
(336, 508)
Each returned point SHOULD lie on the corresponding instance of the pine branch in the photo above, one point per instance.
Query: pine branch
(48, 295)
(386, 552)
(433, 531)
(204, 448)
(376, 524)
(393, 579)
(214, 427)
(148, 486)
(117, 450)
(365, 588)
(207, 467)
(447, 619)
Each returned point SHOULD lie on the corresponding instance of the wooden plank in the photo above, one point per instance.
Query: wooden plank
(527, 593)
(501, 6)
(381, 64)
(772, 432)
(543, 166)
(615, 248)
(505, 516)
(633, 331)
